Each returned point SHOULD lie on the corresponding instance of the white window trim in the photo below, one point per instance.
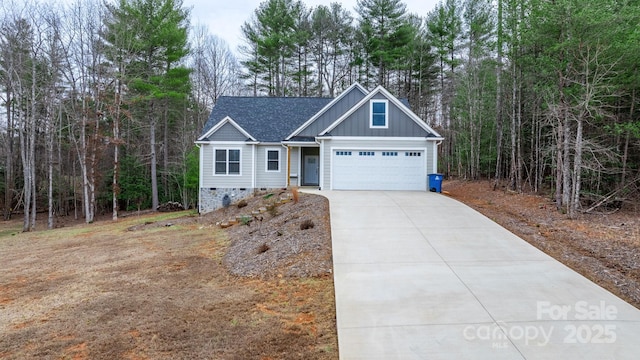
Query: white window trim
(227, 161)
(386, 113)
(266, 160)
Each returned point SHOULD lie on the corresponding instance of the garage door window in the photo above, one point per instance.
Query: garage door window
(379, 114)
(413, 153)
(367, 153)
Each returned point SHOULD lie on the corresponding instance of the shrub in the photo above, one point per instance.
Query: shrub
(295, 194)
(307, 224)
(242, 203)
(272, 208)
(263, 248)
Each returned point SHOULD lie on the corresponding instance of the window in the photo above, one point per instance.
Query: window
(389, 153)
(227, 162)
(273, 160)
(413, 153)
(366, 153)
(379, 114)
(343, 153)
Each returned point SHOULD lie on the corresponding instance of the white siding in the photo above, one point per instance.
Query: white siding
(210, 180)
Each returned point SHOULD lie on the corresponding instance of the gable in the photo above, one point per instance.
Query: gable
(399, 124)
(401, 121)
(227, 132)
(231, 131)
(335, 109)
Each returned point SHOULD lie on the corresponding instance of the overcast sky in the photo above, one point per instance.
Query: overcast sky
(225, 17)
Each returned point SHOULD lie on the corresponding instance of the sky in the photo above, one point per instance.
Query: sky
(225, 17)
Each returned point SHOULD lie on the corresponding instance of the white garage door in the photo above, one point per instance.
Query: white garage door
(379, 170)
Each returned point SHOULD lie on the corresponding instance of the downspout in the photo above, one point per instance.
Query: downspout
(321, 164)
(199, 178)
(288, 164)
(254, 175)
(435, 156)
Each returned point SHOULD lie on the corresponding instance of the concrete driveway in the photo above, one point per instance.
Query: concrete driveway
(422, 276)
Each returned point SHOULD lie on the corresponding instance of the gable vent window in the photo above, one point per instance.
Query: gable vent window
(273, 160)
(379, 114)
(227, 162)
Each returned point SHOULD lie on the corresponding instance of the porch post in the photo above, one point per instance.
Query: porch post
(288, 165)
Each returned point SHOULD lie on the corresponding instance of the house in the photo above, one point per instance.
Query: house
(360, 140)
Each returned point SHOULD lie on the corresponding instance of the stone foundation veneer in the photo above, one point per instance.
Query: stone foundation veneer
(211, 199)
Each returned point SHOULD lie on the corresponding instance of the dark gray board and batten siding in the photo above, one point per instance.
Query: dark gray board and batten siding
(336, 111)
(399, 124)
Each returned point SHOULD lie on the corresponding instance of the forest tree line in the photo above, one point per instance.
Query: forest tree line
(102, 101)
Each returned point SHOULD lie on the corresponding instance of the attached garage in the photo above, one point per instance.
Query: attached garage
(375, 169)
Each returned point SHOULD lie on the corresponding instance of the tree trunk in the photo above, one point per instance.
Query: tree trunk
(577, 172)
(152, 145)
(49, 136)
(498, 173)
(8, 172)
(165, 150)
(116, 151)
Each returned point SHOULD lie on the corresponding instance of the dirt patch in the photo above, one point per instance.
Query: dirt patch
(603, 248)
(154, 287)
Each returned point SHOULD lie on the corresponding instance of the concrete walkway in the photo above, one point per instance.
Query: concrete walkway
(422, 276)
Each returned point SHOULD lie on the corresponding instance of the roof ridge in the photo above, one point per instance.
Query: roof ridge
(276, 97)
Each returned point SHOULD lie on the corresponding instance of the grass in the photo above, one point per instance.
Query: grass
(129, 290)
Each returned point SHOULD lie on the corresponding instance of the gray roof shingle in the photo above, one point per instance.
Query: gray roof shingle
(268, 119)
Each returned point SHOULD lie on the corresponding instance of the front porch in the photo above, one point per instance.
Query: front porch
(304, 165)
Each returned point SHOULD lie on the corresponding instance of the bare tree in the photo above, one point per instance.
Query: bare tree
(84, 76)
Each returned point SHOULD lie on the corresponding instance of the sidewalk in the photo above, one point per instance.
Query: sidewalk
(422, 276)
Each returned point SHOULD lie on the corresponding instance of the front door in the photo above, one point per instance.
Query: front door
(311, 170)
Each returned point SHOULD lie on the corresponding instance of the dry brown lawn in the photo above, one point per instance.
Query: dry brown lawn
(130, 290)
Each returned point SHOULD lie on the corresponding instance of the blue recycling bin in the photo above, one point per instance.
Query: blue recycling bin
(435, 182)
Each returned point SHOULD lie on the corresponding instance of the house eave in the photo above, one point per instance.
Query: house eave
(210, 142)
(380, 138)
(300, 143)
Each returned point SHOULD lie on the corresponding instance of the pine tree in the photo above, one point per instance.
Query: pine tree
(156, 76)
(386, 31)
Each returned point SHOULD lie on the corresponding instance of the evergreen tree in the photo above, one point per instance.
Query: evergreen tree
(386, 31)
(156, 76)
(271, 37)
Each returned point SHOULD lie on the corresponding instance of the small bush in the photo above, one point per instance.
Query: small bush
(242, 203)
(295, 194)
(307, 224)
(263, 248)
(272, 209)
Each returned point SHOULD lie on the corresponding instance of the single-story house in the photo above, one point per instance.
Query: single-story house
(360, 140)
